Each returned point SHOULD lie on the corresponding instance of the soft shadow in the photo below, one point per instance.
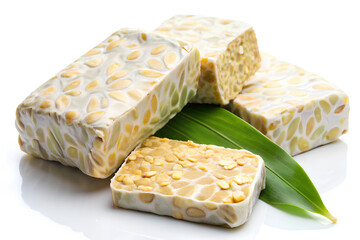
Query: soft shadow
(56, 177)
(70, 198)
(326, 167)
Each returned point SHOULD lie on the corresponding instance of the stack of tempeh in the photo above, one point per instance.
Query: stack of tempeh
(93, 113)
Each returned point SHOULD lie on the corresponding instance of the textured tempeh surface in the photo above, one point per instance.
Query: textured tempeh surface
(296, 109)
(95, 111)
(228, 49)
(200, 183)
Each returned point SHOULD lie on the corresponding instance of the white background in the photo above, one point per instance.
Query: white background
(43, 200)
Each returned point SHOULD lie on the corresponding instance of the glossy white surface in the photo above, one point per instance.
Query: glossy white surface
(43, 200)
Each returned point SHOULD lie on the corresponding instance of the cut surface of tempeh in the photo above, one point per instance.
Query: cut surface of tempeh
(229, 52)
(296, 109)
(95, 111)
(193, 182)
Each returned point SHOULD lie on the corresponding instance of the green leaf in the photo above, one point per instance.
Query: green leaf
(287, 184)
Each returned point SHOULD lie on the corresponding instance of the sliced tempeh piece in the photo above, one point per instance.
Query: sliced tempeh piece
(199, 183)
(94, 112)
(296, 109)
(229, 52)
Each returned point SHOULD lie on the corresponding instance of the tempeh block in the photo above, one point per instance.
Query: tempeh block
(296, 109)
(94, 112)
(193, 182)
(229, 52)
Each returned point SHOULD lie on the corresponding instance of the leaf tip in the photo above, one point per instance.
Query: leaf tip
(331, 218)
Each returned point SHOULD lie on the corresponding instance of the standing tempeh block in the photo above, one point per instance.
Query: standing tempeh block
(229, 52)
(296, 109)
(94, 112)
(199, 183)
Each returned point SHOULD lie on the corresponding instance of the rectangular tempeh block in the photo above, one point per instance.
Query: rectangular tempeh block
(229, 52)
(296, 109)
(199, 183)
(94, 112)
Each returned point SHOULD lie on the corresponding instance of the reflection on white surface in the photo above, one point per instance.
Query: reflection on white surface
(326, 167)
(73, 199)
